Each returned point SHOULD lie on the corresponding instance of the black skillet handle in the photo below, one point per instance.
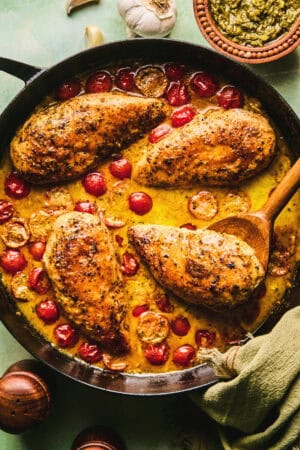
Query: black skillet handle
(20, 70)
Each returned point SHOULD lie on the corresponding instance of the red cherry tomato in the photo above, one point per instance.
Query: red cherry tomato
(130, 264)
(184, 355)
(204, 84)
(121, 168)
(6, 211)
(85, 206)
(66, 335)
(230, 97)
(125, 79)
(90, 352)
(188, 226)
(12, 261)
(205, 338)
(38, 280)
(164, 304)
(68, 89)
(95, 184)
(157, 354)
(159, 132)
(140, 203)
(48, 311)
(177, 94)
(180, 326)
(182, 116)
(98, 82)
(37, 249)
(139, 309)
(119, 240)
(15, 186)
(174, 71)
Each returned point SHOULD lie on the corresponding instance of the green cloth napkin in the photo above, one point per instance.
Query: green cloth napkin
(258, 406)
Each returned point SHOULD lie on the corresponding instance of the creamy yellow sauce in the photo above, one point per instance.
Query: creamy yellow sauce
(169, 208)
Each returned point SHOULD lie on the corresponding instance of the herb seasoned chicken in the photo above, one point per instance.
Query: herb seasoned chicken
(219, 148)
(82, 266)
(66, 140)
(202, 267)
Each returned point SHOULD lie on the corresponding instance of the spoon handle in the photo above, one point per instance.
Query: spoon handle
(283, 192)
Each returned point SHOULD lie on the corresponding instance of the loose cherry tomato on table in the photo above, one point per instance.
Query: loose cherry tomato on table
(68, 89)
(139, 309)
(205, 338)
(37, 249)
(90, 352)
(182, 116)
(184, 355)
(174, 71)
(180, 326)
(48, 311)
(16, 187)
(140, 203)
(130, 264)
(121, 168)
(157, 354)
(159, 132)
(85, 206)
(38, 280)
(230, 97)
(125, 79)
(95, 184)
(12, 261)
(66, 335)
(177, 94)
(204, 84)
(6, 211)
(98, 82)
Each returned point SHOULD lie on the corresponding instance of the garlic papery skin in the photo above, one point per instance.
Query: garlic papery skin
(93, 36)
(149, 18)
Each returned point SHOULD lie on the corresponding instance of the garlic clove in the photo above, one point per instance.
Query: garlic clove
(72, 4)
(93, 36)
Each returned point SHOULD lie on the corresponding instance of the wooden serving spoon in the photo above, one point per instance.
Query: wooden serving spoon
(256, 227)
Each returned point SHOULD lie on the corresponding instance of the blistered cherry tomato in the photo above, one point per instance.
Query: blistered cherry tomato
(90, 352)
(6, 211)
(180, 326)
(182, 116)
(98, 82)
(159, 132)
(177, 94)
(119, 240)
(188, 226)
(15, 186)
(205, 338)
(139, 309)
(125, 79)
(121, 168)
(95, 184)
(164, 304)
(174, 71)
(157, 354)
(66, 335)
(184, 355)
(48, 311)
(140, 203)
(38, 280)
(68, 89)
(85, 207)
(37, 249)
(130, 264)
(12, 261)
(230, 97)
(204, 84)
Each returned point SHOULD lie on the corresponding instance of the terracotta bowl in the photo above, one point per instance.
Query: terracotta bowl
(252, 55)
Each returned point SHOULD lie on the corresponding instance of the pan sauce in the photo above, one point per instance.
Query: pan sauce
(170, 207)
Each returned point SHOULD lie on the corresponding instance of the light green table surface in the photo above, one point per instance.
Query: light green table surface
(40, 33)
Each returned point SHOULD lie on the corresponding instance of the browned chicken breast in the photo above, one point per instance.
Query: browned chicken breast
(202, 267)
(218, 148)
(66, 140)
(81, 263)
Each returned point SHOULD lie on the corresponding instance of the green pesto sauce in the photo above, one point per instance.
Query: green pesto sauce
(254, 22)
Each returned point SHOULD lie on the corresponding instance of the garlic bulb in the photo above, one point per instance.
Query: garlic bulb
(93, 36)
(149, 18)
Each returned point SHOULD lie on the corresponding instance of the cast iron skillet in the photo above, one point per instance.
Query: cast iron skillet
(38, 83)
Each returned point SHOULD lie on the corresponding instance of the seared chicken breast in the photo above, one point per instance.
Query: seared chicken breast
(81, 263)
(67, 139)
(202, 267)
(218, 148)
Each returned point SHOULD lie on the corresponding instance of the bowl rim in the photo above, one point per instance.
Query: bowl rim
(279, 47)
